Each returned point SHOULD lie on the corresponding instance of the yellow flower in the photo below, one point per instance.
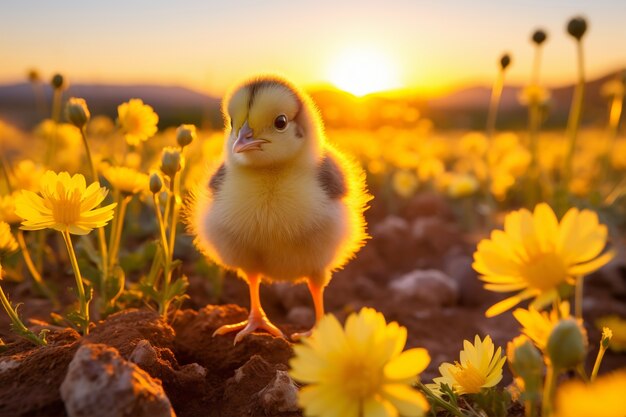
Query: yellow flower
(430, 168)
(602, 398)
(479, 368)
(536, 254)
(533, 95)
(404, 183)
(7, 209)
(65, 204)
(7, 241)
(618, 330)
(538, 325)
(126, 180)
(27, 175)
(137, 120)
(360, 371)
(462, 185)
(473, 144)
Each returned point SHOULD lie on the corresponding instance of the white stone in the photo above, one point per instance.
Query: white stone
(100, 383)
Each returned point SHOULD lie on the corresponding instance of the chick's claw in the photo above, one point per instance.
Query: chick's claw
(301, 335)
(248, 326)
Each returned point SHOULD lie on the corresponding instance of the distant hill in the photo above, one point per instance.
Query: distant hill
(465, 108)
(468, 107)
(173, 104)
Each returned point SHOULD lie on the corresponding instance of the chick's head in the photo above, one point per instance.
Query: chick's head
(270, 122)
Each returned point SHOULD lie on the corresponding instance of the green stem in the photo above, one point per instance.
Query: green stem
(18, 325)
(116, 229)
(39, 282)
(447, 406)
(92, 167)
(529, 408)
(578, 297)
(157, 208)
(84, 305)
(548, 391)
(5, 170)
(534, 126)
(573, 122)
(596, 365)
(494, 104)
(496, 95)
(173, 201)
(163, 302)
(104, 263)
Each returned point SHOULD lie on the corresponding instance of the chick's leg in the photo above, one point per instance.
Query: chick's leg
(317, 293)
(257, 318)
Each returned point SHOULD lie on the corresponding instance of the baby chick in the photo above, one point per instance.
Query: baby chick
(283, 204)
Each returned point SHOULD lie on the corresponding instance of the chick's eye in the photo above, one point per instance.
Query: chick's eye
(280, 122)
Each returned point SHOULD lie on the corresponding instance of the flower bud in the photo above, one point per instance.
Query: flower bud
(607, 335)
(170, 161)
(577, 27)
(77, 112)
(33, 76)
(567, 344)
(185, 134)
(539, 37)
(505, 61)
(58, 82)
(526, 362)
(156, 184)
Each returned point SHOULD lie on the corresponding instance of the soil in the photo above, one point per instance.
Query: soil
(416, 270)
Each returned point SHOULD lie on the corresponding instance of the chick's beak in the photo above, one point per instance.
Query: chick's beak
(246, 140)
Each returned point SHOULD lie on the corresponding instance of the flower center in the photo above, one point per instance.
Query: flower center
(66, 210)
(544, 271)
(362, 381)
(468, 378)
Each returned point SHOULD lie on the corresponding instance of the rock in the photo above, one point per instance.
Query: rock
(302, 316)
(280, 395)
(241, 390)
(436, 235)
(144, 354)
(100, 383)
(8, 365)
(427, 204)
(291, 296)
(428, 287)
(393, 241)
(471, 291)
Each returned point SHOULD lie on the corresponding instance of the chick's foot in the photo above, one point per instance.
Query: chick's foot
(246, 327)
(300, 335)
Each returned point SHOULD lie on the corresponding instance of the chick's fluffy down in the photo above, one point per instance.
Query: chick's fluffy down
(285, 225)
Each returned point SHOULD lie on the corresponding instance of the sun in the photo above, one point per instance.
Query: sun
(362, 71)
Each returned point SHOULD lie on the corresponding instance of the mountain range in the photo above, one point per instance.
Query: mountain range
(462, 109)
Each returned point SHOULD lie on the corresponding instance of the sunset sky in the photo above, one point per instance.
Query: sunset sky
(428, 46)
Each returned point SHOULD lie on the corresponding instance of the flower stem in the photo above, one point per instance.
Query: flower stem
(447, 406)
(573, 122)
(596, 365)
(548, 391)
(84, 304)
(17, 324)
(104, 262)
(174, 204)
(161, 224)
(39, 282)
(578, 297)
(116, 228)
